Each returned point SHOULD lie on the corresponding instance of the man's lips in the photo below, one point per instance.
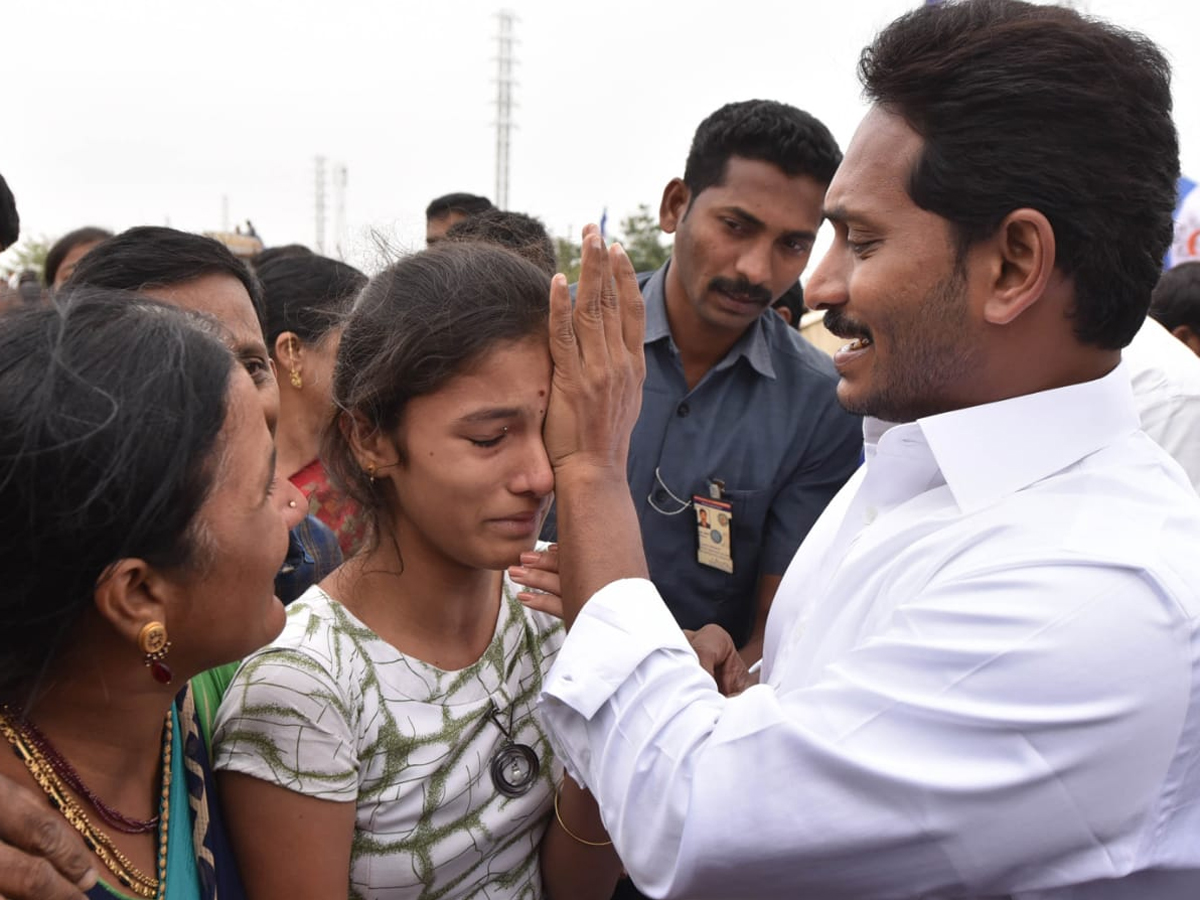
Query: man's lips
(747, 299)
(859, 343)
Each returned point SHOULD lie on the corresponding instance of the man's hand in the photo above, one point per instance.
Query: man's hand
(41, 856)
(720, 659)
(595, 396)
(596, 392)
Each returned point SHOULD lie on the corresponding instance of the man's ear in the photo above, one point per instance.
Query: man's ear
(130, 595)
(784, 313)
(1020, 262)
(1189, 336)
(674, 206)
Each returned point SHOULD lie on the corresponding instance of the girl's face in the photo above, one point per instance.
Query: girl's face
(476, 482)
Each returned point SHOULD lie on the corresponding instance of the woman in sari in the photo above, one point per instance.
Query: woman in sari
(140, 548)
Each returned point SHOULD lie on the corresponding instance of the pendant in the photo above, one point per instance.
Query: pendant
(515, 768)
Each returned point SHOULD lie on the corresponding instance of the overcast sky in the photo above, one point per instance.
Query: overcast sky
(131, 112)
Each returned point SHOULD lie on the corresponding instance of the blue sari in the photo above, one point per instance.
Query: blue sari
(200, 862)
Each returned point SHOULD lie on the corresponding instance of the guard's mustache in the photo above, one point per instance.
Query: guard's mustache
(755, 293)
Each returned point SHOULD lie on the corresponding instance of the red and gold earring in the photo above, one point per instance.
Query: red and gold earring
(152, 641)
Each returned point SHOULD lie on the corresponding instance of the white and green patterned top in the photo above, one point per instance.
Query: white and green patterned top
(331, 710)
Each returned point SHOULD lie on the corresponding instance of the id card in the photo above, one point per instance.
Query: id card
(714, 533)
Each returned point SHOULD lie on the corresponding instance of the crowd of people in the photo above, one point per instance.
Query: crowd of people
(455, 580)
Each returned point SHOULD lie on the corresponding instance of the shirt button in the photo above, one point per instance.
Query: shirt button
(683, 410)
(870, 514)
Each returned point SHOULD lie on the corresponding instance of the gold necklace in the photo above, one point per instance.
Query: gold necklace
(97, 841)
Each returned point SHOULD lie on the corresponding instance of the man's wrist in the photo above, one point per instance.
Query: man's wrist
(587, 475)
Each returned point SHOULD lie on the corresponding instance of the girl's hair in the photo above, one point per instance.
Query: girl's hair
(110, 410)
(307, 295)
(416, 325)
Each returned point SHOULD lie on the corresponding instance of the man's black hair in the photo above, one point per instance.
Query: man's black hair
(10, 222)
(1032, 106)
(524, 235)
(150, 256)
(763, 130)
(467, 204)
(1176, 298)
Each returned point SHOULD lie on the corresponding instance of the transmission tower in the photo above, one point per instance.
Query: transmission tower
(341, 175)
(504, 102)
(319, 201)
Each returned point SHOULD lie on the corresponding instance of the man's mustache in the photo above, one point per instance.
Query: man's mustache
(755, 293)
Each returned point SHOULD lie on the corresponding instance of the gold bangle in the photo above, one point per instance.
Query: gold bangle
(572, 835)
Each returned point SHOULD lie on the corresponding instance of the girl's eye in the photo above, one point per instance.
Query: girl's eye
(489, 442)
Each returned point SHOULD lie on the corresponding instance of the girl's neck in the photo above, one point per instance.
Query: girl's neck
(430, 607)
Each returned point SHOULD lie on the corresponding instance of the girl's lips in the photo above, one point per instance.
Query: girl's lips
(522, 525)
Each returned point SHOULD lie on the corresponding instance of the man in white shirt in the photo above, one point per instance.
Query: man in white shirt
(980, 675)
(1166, 390)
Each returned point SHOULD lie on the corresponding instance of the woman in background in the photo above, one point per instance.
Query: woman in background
(306, 297)
(67, 251)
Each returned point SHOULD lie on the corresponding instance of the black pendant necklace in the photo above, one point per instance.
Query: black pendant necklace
(515, 767)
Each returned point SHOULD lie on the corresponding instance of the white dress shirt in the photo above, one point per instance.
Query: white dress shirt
(1166, 390)
(980, 679)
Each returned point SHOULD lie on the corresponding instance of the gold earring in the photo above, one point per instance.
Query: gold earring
(297, 381)
(152, 641)
(371, 470)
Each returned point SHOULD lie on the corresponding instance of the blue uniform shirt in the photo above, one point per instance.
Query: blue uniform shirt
(764, 420)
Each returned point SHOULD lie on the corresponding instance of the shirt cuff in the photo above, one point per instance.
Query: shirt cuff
(622, 624)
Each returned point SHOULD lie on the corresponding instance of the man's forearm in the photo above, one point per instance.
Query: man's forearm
(596, 519)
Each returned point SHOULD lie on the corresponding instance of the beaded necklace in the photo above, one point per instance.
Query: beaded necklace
(29, 751)
(66, 772)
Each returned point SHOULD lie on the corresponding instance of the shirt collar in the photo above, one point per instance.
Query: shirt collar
(988, 451)
(753, 344)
